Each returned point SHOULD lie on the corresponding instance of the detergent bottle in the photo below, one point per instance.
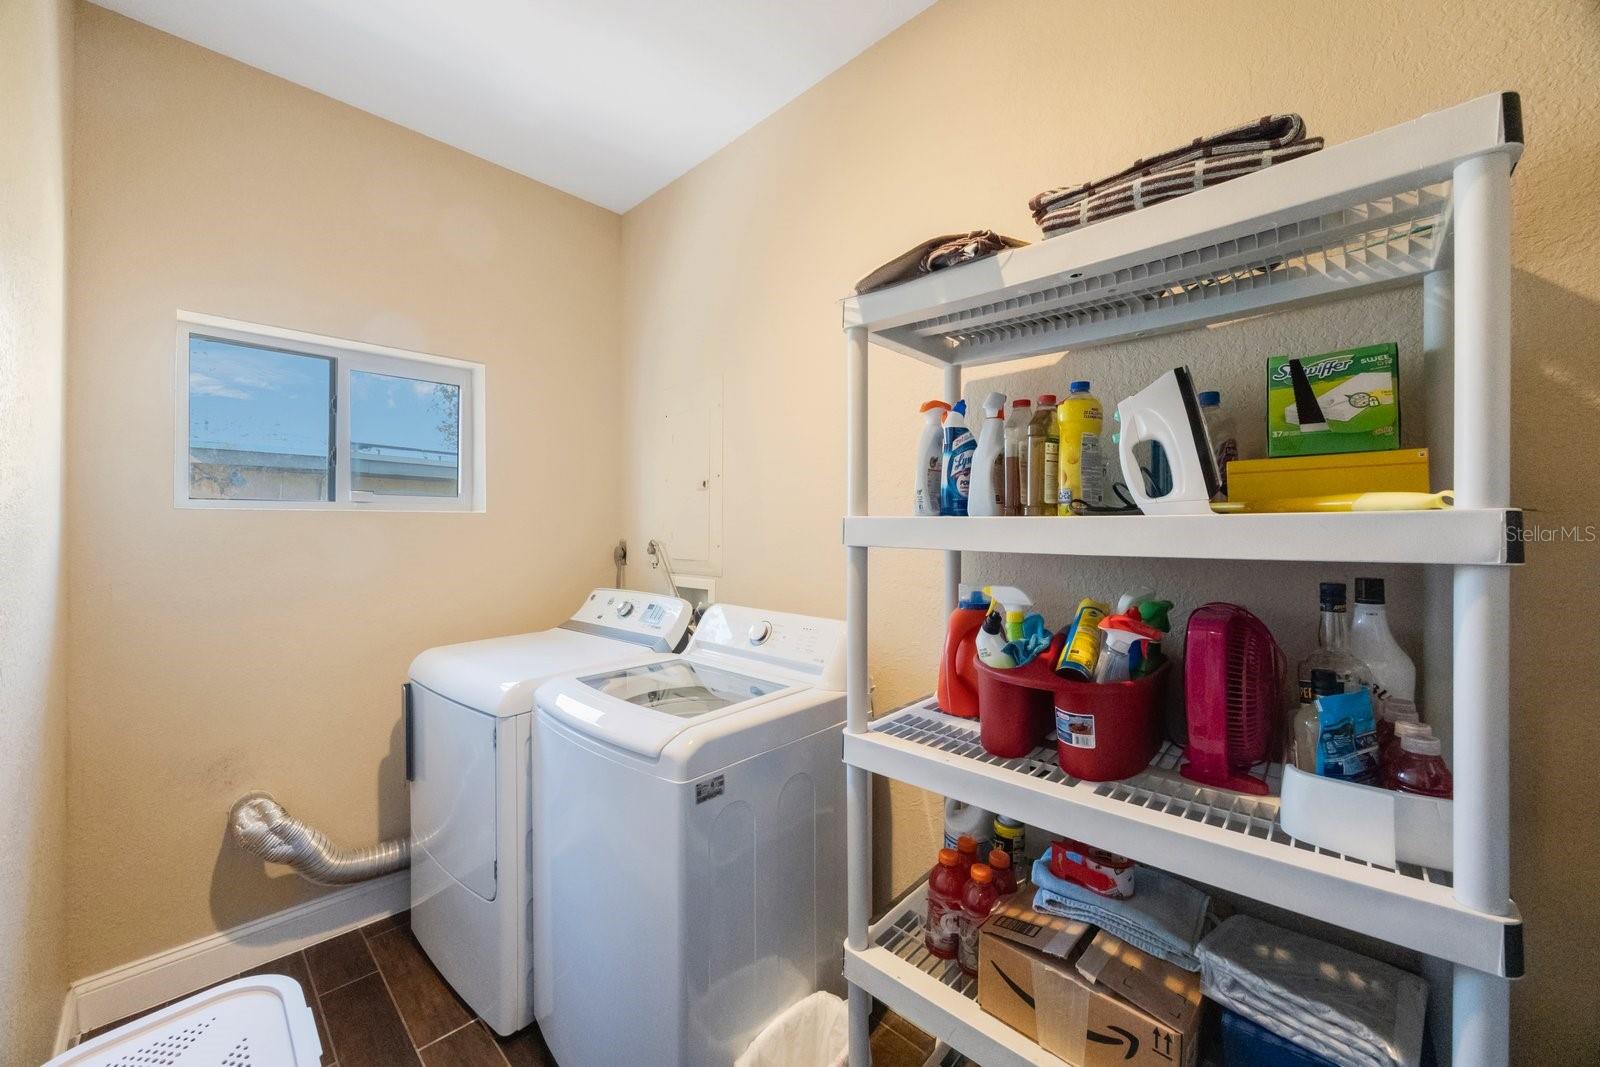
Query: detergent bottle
(1016, 444)
(988, 460)
(957, 691)
(959, 446)
(1081, 472)
(1040, 458)
(930, 458)
(966, 820)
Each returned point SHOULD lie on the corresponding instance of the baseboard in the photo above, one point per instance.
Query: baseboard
(67, 1029)
(139, 986)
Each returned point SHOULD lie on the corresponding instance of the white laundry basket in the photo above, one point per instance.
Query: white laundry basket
(813, 1033)
(251, 1022)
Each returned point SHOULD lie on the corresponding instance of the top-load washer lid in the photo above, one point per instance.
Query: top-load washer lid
(680, 688)
(641, 706)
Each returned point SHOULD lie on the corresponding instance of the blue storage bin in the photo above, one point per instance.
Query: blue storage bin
(1245, 1044)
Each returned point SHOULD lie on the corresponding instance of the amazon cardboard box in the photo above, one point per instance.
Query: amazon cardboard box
(1084, 995)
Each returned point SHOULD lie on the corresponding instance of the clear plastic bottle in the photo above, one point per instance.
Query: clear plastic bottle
(1224, 438)
(1040, 459)
(1005, 875)
(1016, 447)
(1333, 645)
(1420, 769)
(945, 885)
(1306, 733)
(977, 901)
(1081, 472)
(1373, 644)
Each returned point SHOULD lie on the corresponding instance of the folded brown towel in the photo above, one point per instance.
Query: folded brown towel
(1205, 161)
(938, 253)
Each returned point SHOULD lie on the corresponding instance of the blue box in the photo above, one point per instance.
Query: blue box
(1244, 1044)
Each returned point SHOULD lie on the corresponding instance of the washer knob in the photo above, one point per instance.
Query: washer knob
(759, 632)
(624, 609)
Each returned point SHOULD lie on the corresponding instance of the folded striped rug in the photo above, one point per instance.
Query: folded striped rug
(1205, 161)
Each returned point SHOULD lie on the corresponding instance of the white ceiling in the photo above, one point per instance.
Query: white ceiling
(606, 99)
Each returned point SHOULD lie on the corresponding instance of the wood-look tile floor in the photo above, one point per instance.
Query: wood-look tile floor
(379, 1002)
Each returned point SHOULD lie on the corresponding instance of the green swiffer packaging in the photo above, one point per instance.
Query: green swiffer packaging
(1345, 401)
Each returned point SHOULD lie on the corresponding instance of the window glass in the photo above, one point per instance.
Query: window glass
(405, 435)
(260, 423)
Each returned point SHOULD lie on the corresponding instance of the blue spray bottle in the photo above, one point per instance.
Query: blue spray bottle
(959, 445)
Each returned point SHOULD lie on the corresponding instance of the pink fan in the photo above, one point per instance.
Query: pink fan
(1233, 684)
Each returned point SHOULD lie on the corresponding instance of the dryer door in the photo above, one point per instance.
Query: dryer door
(453, 788)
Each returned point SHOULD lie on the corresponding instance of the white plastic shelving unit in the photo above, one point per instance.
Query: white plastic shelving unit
(1425, 202)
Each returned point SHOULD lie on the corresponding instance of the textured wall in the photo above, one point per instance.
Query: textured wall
(35, 52)
(218, 651)
(951, 123)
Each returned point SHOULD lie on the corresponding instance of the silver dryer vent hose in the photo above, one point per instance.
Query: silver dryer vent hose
(260, 825)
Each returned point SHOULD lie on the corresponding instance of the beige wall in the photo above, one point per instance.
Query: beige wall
(214, 652)
(951, 123)
(35, 54)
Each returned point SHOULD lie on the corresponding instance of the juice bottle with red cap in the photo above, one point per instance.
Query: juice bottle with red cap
(945, 885)
(1005, 877)
(977, 901)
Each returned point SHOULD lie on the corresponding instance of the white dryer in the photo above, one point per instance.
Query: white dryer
(689, 870)
(469, 728)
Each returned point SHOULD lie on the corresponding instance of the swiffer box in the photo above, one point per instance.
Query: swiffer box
(1083, 995)
(1345, 401)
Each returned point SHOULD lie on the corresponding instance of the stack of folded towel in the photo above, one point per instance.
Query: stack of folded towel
(1204, 161)
(1165, 916)
(937, 253)
(1352, 1010)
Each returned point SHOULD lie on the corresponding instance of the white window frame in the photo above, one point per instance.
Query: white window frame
(347, 356)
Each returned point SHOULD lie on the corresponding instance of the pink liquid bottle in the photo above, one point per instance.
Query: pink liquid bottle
(1005, 878)
(977, 901)
(945, 884)
(1420, 768)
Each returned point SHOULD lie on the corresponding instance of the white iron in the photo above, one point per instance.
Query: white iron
(1167, 412)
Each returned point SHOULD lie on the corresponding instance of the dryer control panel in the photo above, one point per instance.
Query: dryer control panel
(629, 615)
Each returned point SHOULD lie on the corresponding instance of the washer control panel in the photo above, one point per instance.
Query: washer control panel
(800, 645)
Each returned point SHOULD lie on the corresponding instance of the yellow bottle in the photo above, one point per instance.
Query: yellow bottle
(1081, 470)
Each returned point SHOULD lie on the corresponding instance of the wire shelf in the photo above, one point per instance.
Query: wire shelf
(1160, 788)
(905, 935)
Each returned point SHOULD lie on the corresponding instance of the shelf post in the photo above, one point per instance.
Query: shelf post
(952, 560)
(858, 697)
(1481, 595)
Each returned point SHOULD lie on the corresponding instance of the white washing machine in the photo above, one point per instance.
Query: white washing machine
(469, 730)
(689, 871)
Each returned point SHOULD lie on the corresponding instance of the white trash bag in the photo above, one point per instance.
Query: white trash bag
(813, 1033)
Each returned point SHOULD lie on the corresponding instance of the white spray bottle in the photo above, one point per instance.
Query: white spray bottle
(930, 459)
(1008, 606)
(986, 494)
